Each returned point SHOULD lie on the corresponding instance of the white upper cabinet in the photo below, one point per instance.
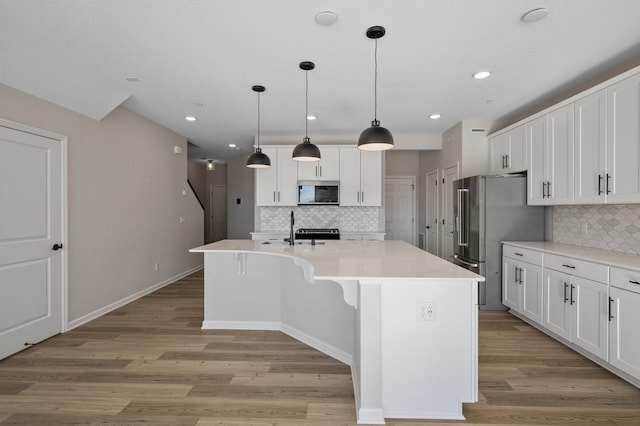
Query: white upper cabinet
(590, 148)
(360, 177)
(277, 185)
(328, 168)
(550, 171)
(607, 155)
(622, 177)
(508, 151)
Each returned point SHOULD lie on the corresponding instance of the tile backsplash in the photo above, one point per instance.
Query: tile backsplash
(611, 227)
(347, 219)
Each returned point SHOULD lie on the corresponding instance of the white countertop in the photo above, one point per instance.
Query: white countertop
(605, 257)
(355, 259)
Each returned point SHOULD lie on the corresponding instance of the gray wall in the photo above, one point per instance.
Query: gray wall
(240, 185)
(124, 202)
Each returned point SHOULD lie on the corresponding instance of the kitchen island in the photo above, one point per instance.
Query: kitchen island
(403, 319)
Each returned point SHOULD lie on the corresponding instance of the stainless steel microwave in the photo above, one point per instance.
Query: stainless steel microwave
(318, 193)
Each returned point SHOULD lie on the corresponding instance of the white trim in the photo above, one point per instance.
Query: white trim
(241, 325)
(318, 344)
(370, 416)
(424, 415)
(115, 305)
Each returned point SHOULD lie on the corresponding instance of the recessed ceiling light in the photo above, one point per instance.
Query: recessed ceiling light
(481, 74)
(190, 118)
(198, 104)
(326, 18)
(490, 101)
(535, 15)
(132, 79)
(232, 145)
(435, 116)
(311, 117)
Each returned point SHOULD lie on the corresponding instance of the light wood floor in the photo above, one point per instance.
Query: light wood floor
(149, 363)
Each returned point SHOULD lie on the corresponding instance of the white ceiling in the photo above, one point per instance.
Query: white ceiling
(77, 53)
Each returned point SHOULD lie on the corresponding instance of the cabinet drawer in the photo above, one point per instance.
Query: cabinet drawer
(625, 279)
(523, 254)
(579, 268)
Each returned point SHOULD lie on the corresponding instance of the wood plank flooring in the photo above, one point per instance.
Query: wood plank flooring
(149, 363)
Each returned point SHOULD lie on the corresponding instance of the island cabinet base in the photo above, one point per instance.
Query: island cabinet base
(411, 342)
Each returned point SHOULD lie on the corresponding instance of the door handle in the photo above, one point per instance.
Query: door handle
(56, 247)
(464, 262)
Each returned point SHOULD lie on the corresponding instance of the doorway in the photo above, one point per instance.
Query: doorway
(32, 236)
(432, 208)
(400, 201)
(217, 213)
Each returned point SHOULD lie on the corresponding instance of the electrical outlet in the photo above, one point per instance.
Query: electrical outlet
(426, 311)
(156, 267)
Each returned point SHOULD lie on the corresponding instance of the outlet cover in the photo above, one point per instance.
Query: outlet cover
(426, 311)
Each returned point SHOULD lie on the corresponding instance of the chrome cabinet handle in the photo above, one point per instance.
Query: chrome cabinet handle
(565, 292)
(548, 189)
(506, 161)
(607, 184)
(544, 184)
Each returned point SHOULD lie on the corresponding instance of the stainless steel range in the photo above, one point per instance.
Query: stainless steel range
(317, 234)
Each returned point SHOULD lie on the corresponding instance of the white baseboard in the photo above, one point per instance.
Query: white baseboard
(241, 325)
(426, 415)
(323, 347)
(115, 305)
(370, 416)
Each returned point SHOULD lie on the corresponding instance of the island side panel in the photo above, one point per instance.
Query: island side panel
(241, 291)
(429, 359)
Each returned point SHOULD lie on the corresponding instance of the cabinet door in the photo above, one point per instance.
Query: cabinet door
(287, 171)
(560, 156)
(531, 291)
(371, 178)
(266, 181)
(556, 305)
(497, 152)
(349, 177)
(308, 170)
(510, 283)
(624, 345)
(329, 167)
(516, 160)
(589, 316)
(623, 141)
(536, 133)
(590, 148)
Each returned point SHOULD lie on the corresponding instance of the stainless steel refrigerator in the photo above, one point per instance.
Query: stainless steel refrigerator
(488, 210)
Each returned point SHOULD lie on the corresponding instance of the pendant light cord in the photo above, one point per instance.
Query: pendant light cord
(306, 108)
(375, 84)
(258, 120)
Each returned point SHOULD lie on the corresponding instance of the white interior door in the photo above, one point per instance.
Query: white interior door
(217, 212)
(31, 222)
(432, 208)
(400, 209)
(446, 223)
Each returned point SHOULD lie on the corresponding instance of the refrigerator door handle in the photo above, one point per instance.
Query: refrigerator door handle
(462, 218)
(464, 262)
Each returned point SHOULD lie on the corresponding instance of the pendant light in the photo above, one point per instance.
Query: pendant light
(258, 160)
(375, 138)
(210, 166)
(306, 151)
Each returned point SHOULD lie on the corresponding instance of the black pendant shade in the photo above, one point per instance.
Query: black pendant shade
(306, 151)
(258, 160)
(375, 138)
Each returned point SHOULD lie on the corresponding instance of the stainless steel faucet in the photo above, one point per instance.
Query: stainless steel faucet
(291, 239)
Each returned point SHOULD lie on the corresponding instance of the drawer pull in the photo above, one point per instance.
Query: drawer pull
(566, 299)
(610, 314)
(569, 266)
(634, 282)
(571, 301)
(518, 254)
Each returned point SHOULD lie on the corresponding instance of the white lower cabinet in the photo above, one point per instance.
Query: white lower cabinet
(624, 317)
(522, 288)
